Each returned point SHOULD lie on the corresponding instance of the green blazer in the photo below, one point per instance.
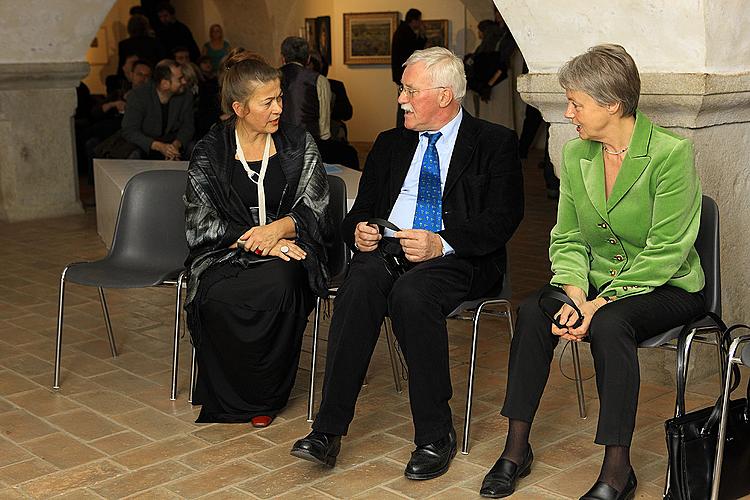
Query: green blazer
(641, 237)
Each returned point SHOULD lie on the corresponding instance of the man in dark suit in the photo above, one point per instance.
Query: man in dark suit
(453, 184)
(159, 115)
(408, 37)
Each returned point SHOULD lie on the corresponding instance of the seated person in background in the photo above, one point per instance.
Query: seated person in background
(453, 184)
(307, 94)
(257, 249)
(159, 115)
(622, 250)
(209, 98)
(336, 149)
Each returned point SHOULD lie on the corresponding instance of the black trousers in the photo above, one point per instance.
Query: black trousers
(614, 333)
(417, 303)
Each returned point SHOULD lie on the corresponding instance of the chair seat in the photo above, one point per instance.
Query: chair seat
(668, 336)
(107, 273)
(471, 305)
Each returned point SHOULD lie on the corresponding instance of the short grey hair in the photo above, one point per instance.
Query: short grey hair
(443, 67)
(607, 73)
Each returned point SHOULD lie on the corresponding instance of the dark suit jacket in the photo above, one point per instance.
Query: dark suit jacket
(483, 194)
(141, 124)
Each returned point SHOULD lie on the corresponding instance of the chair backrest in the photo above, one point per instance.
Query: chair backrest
(338, 253)
(150, 227)
(707, 246)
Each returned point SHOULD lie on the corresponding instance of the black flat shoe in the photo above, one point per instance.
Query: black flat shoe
(318, 447)
(501, 480)
(432, 460)
(603, 491)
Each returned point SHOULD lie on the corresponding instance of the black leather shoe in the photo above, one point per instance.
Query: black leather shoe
(603, 491)
(501, 480)
(432, 460)
(318, 447)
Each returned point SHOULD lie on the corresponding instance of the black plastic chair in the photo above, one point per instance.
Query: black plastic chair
(148, 249)
(742, 359)
(707, 246)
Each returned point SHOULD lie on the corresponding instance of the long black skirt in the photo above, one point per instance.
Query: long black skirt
(252, 320)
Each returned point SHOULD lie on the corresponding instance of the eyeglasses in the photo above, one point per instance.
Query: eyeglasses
(410, 92)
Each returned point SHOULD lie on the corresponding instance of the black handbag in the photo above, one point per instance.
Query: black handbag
(692, 437)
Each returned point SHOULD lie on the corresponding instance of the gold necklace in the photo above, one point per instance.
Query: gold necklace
(616, 153)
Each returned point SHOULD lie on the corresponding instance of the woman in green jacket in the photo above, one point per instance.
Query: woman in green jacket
(622, 250)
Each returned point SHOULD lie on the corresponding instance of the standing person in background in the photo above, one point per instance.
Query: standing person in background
(307, 94)
(139, 43)
(487, 72)
(172, 33)
(409, 36)
(216, 47)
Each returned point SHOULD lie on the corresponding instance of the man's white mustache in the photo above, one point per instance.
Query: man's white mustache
(407, 108)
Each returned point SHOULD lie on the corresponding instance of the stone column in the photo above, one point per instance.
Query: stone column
(695, 80)
(38, 176)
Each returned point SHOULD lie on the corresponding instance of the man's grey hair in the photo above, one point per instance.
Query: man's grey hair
(444, 68)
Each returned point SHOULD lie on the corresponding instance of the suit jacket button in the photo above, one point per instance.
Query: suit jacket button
(625, 288)
(619, 258)
(612, 272)
(613, 241)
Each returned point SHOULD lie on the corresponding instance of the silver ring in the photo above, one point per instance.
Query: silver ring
(284, 249)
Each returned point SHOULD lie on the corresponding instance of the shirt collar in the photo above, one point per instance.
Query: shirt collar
(450, 129)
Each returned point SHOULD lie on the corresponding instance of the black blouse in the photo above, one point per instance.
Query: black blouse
(274, 184)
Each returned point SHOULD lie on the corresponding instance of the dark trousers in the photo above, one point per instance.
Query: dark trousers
(614, 333)
(418, 303)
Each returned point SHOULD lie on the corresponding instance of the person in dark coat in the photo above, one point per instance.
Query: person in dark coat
(408, 37)
(172, 33)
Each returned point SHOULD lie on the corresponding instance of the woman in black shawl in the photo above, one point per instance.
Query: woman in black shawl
(256, 223)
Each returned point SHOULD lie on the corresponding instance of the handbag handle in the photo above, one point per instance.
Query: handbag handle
(559, 296)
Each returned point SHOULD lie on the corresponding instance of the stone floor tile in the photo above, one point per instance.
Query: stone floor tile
(106, 401)
(120, 442)
(159, 451)
(11, 453)
(20, 426)
(214, 479)
(27, 470)
(153, 423)
(62, 451)
(295, 475)
(141, 480)
(43, 402)
(360, 478)
(379, 493)
(60, 482)
(458, 472)
(224, 452)
(12, 383)
(85, 424)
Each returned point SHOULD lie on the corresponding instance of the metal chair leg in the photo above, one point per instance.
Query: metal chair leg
(192, 375)
(176, 338)
(107, 322)
(470, 385)
(391, 342)
(579, 381)
(58, 337)
(509, 312)
(313, 355)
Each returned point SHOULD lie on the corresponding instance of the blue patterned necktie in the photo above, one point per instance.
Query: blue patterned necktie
(428, 213)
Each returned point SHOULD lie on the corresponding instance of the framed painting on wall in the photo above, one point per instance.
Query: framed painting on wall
(323, 37)
(367, 37)
(311, 34)
(436, 31)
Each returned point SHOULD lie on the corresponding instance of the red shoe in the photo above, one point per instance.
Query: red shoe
(261, 421)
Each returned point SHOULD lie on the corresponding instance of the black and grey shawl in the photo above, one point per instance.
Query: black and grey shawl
(214, 219)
